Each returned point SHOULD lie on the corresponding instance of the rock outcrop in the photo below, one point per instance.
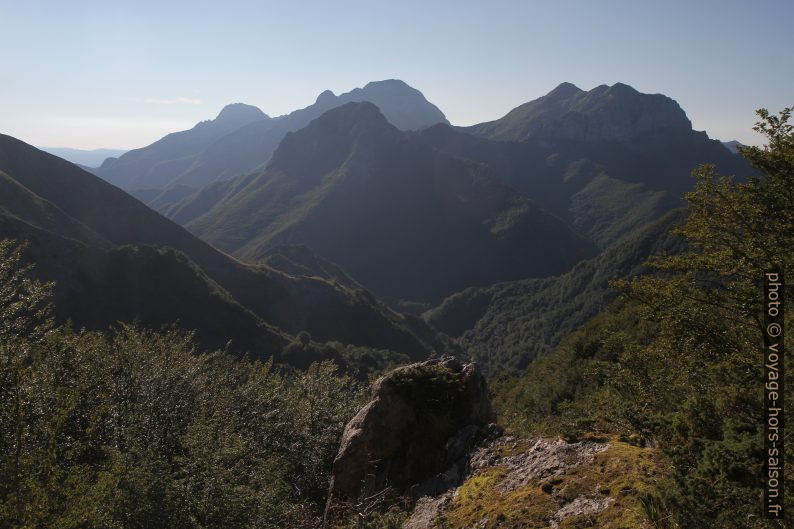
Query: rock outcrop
(546, 483)
(425, 444)
(414, 436)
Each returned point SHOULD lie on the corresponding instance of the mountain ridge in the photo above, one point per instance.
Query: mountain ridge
(350, 181)
(249, 145)
(145, 168)
(604, 185)
(617, 112)
(70, 216)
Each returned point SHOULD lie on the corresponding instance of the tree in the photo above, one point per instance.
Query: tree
(24, 319)
(701, 376)
(136, 428)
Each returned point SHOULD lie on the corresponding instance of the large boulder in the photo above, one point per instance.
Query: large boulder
(409, 439)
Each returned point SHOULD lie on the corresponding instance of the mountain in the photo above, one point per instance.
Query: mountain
(154, 166)
(88, 158)
(607, 161)
(405, 220)
(732, 145)
(617, 112)
(404, 107)
(505, 326)
(114, 260)
(204, 158)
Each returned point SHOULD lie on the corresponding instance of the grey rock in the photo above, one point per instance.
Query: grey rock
(414, 436)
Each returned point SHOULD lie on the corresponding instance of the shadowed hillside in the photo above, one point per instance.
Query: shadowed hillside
(114, 259)
(505, 326)
(400, 217)
(607, 161)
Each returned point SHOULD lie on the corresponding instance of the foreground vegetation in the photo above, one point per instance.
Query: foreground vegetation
(678, 361)
(622, 476)
(138, 429)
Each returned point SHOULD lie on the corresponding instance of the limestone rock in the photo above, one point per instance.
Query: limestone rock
(421, 421)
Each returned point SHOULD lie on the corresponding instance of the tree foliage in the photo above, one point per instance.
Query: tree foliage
(709, 309)
(138, 429)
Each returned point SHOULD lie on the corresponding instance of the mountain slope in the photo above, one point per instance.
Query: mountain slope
(406, 221)
(607, 161)
(156, 165)
(245, 147)
(115, 259)
(505, 326)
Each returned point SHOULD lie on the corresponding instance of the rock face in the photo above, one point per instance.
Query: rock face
(422, 421)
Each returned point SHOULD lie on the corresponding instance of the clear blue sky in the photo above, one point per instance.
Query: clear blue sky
(121, 74)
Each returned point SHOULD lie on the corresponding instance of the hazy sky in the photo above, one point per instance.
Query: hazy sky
(119, 74)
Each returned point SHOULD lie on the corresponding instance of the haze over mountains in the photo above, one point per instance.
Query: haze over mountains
(242, 138)
(404, 219)
(605, 113)
(607, 161)
(416, 215)
(156, 165)
(84, 157)
(370, 191)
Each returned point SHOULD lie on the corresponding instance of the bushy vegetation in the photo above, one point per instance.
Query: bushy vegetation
(507, 325)
(138, 429)
(621, 476)
(679, 361)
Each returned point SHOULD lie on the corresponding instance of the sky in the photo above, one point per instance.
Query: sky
(119, 74)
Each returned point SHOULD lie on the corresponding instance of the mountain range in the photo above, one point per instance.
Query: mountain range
(242, 138)
(367, 196)
(416, 215)
(617, 112)
(404, 219)
(113, 259)
(84, 157)
(607, 161)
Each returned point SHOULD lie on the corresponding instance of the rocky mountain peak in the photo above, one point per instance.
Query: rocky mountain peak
(605, 113)
(334, 132)
(353, 113)
(404, 106)
(325, 98)
(565, 90)
(240, 113)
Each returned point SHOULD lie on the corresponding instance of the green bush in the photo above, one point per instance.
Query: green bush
(138, 429)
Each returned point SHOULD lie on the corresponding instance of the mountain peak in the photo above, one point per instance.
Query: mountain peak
(565, 90)
(241, 113)
(328, 140)
(404, 106)
(623, 89)
(353, 117)
(605, 113)
(325, 97)
(397, 84)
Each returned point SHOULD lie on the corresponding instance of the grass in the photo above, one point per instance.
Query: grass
(625, 473)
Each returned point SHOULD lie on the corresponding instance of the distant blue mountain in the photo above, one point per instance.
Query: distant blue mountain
(88, 158)
(210, 152)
